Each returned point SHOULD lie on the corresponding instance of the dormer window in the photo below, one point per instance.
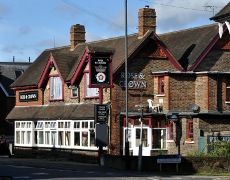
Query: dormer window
(56, 88)
(18, 72)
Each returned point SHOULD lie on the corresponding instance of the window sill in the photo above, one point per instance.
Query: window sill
(160, 95)
(189, 142)
(170, 141)
(95, 97)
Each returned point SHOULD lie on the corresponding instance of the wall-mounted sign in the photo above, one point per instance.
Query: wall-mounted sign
(28, 96)
(101, 113)
(135, 80)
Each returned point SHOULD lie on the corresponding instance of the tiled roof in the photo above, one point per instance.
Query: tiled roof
(222, 14)
(52, 112)
(8, 76)
(67, 61)
(186, 46)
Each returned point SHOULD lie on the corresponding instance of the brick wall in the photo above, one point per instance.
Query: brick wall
(182, 92)
(201, 92)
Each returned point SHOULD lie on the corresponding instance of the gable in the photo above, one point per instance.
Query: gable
(51, 68)
(152, 50)
(224, 42)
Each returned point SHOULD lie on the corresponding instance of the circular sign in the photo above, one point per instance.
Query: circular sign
(100, 77)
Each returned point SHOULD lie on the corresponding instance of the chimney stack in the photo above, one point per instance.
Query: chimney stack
(77, 35)
(146, 21)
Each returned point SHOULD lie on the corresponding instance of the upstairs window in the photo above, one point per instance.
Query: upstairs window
(190, 129)
(74, 92)
(90, 92)
(18, 72)
(56, 88)
(161, 85)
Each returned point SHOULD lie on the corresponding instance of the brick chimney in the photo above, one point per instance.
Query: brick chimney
(146, 21)
(77, 35)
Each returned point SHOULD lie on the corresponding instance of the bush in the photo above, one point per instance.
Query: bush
(219, 149)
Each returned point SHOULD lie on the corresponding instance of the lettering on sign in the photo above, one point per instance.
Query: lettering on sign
(28, 96)
(101, 113)
(169, 158)
(135, 80)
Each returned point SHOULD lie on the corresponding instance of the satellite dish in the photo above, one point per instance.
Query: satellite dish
(193, 107)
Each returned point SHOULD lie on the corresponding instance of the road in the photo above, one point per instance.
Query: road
(26, 169)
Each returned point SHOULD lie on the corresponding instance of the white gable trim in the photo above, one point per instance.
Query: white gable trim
(4, 90)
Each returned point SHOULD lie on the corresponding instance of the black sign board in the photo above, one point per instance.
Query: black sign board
(101, 113)
(100, 70)
(28, 96)
(101, 135)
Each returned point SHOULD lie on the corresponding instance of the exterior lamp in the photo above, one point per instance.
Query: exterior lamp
(175, 118)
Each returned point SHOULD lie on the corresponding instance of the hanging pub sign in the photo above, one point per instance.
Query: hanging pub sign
(100, 71)
(28, 96)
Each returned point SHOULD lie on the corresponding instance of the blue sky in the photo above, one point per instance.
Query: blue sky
(27, 27)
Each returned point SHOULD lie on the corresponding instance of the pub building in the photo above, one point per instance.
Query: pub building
(178, 88)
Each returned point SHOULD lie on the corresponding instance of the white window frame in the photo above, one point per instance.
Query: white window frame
(90, 92)
(46, 133)
(23, 133)
(56, 88)
(88, 129)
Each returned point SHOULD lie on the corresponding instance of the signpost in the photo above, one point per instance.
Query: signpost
(100, 76)
(173, 158)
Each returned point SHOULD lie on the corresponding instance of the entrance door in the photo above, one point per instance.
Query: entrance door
(146, 141)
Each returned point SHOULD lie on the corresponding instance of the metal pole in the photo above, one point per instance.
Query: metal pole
(126, 89)
(140, 146)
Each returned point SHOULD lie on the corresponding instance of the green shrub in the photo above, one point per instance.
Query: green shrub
(220, 149)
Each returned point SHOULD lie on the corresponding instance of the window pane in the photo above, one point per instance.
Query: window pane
(56, 88)
(90, 92)
(84, 138)
(60, 138)
(77, 138)
(23, 137)
(159, 138)
(76, 125)
(47, 137)
(35, 137)
(18, 137)
(28, 137)
(17, 124)
(67, 138)
(91, 124)
(53, 138)
(92, 138)
(29, 125)
(40, 137)
(84, 124)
